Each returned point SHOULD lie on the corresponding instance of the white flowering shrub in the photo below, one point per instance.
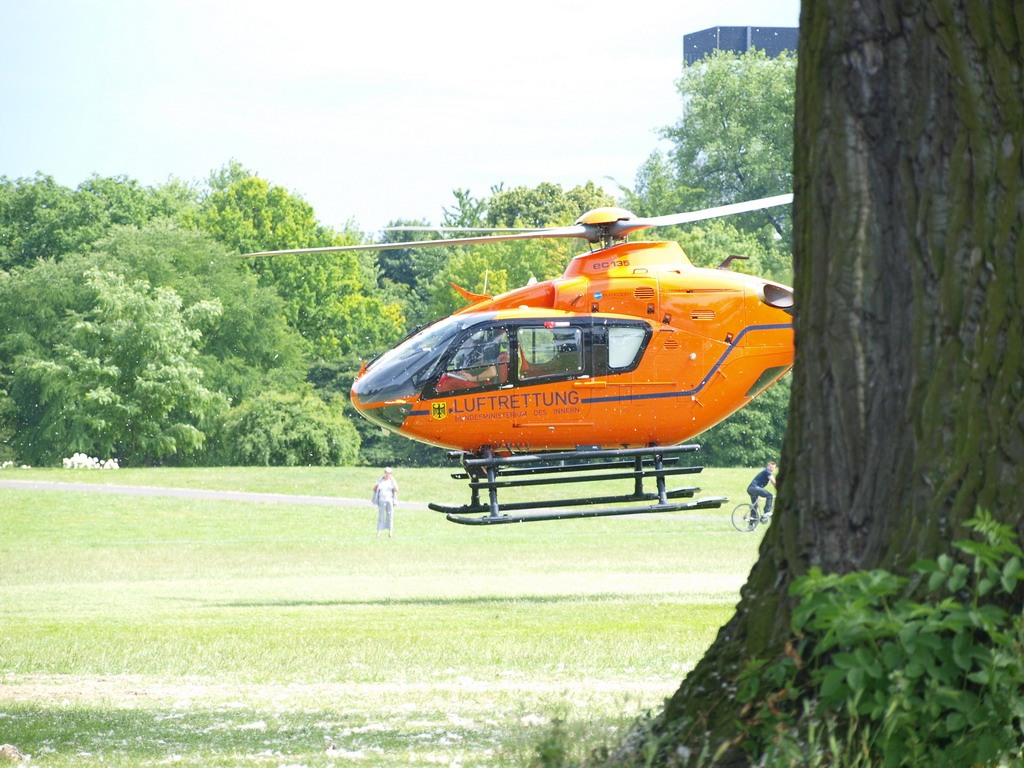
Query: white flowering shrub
(12, 465)
(81, 461)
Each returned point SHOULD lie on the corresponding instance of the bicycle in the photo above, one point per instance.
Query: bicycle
(746, 517)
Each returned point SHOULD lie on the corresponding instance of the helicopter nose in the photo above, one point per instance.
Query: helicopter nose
(387, 413)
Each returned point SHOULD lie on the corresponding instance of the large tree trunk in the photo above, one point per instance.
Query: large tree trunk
(908, 394)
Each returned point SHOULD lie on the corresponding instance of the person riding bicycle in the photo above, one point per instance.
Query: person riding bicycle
(758, 486)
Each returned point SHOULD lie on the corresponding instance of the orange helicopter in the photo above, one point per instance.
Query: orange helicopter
(603, 370)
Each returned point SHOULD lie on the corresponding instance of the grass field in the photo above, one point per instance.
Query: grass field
(145, 631)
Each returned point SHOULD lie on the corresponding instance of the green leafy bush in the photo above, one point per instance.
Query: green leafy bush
(104, 365)
(289, 430)
(879, 678)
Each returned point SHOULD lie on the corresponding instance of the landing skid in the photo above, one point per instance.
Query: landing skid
(492, 474)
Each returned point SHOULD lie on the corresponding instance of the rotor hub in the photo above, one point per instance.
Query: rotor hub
(606, 215)
(607, 225)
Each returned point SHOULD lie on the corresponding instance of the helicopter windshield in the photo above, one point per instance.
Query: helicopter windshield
(403, 371)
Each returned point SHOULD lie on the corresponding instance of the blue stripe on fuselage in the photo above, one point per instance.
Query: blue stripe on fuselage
(686, 393)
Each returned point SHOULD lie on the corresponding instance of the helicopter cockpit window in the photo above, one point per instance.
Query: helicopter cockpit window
(481, 360)
(624, 343)
(545, 351)
(405, 370)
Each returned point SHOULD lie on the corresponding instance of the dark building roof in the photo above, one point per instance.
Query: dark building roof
(771, 40)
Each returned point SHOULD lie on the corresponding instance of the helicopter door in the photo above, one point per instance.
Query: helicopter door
(551, 357)
(619, 349)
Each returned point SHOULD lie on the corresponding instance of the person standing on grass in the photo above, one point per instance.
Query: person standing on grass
(385, 496)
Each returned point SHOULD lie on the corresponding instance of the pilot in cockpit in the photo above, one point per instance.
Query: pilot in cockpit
(481, 360)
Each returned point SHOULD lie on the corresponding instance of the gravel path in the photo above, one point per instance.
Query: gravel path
(194, 493)
(265, 498)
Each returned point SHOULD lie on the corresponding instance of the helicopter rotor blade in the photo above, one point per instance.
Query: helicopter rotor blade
(580, 231)
(461, 229)
(606, 232)
(623, 228)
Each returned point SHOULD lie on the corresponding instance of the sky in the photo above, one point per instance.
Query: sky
(371, 112)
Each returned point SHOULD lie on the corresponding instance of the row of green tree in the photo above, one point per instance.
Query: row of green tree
(130, 327)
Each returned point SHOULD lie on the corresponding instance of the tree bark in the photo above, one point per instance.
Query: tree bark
(907, 412)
